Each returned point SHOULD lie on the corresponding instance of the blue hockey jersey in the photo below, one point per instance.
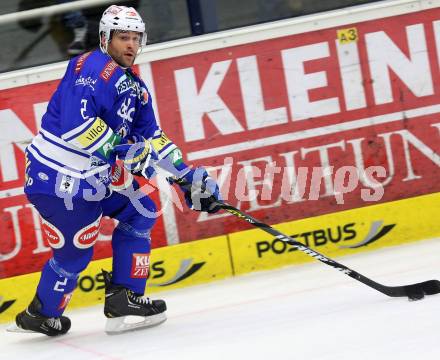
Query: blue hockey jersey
(97, 105)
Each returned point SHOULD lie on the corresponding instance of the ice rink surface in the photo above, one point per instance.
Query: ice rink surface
(307, 312)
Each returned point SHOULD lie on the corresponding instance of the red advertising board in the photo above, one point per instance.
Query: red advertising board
(292, 127)
(360, 95)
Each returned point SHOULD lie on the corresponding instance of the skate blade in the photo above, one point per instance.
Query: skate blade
(15, 329)
(123, 324)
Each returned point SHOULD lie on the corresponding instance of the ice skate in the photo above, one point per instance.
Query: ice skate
(127, 311)
(31, 321)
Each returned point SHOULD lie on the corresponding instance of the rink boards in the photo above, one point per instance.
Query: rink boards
(338, 234)
(356, 88)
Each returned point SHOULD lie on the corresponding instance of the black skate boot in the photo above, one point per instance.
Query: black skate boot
(121, 303)
(31, 320)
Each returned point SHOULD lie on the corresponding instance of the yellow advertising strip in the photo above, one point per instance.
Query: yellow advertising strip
(170, 268)
(16, 293)
(94, 132)
(338, 234)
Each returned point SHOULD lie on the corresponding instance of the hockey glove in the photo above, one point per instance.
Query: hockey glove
(136, 157)
(201, 191)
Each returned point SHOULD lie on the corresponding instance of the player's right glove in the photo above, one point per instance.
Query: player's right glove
(136, 157)
(201, 191)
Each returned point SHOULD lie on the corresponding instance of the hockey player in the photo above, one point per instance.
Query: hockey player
(101, 112)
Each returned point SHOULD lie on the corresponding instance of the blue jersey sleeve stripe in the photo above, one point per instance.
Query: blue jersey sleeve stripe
(58, 140)
(62, 168)
(77, 152)
(58, 166)
(78, 130)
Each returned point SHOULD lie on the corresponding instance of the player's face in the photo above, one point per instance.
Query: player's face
(124, 47)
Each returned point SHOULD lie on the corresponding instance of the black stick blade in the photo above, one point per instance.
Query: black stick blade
(413, 292)
(419, 290)
(431, 287)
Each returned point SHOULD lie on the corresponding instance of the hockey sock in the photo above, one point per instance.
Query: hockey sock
(55, 288)
(131, 259)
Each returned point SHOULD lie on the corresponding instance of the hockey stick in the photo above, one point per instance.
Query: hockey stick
(413, 291)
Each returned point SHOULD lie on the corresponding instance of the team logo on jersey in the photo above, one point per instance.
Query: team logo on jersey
(80, 62)
(108, 70)
(87, 236)
(140, 266)
(125, 112)
(52, 234)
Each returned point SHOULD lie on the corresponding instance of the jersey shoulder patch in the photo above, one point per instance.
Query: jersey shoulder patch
(108, 70)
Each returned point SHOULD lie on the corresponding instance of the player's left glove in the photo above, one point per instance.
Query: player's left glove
(136, 157)
(201, 191)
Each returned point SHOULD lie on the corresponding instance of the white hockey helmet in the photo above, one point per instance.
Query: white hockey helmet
(120, 18)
